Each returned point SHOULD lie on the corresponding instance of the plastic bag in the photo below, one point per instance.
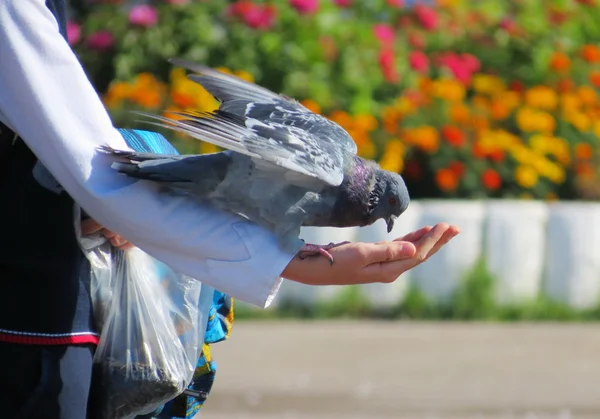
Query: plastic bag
(150, 329)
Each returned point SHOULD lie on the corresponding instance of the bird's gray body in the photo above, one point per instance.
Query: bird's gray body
(285, 166)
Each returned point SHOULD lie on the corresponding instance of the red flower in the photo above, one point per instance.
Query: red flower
(418, 61)
(457, 167)
(454, 136)
(388, 65)
(305, 7)
(491, 179)
(462, 66)
(426, 16)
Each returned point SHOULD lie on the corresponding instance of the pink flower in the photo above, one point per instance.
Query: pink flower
(418, 61)
(388, 65)
(385, 33)
(143, 15)
(100, 41)
(260, 17)
(426, 16)
(462, 66)
(305, 7)
(343, 3)
(73, 32)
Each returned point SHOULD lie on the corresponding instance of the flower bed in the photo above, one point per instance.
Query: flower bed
(465, 99)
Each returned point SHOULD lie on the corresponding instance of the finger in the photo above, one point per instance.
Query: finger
(415, 235)
(448, 235)
(387, 251)
(108, 234)
(126, 246)
(391, 270)
(90, 226)
(117, 241)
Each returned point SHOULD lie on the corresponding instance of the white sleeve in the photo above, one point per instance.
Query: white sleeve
(46, 98)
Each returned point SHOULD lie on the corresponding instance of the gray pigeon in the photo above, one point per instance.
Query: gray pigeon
(284, 167)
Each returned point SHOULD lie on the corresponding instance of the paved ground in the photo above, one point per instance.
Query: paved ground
(330, 370)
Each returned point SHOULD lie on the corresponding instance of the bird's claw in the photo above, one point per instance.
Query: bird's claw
(318, 250)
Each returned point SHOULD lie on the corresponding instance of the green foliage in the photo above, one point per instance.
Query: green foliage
(472, 301)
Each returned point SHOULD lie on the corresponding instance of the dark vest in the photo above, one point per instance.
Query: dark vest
(44, 276)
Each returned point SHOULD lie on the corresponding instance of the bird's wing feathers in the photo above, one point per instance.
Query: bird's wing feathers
(257, 122)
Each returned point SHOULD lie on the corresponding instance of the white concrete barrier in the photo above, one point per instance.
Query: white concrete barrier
(441, 275)
(514, 248)
(529, 247)
(573, 254)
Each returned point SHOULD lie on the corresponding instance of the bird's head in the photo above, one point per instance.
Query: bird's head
(389, 198)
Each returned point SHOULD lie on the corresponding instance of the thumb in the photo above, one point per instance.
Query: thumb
(389, 251)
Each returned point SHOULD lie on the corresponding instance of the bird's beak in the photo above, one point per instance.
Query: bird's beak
(390, 223)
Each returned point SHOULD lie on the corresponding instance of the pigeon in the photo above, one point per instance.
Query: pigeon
(283, 166)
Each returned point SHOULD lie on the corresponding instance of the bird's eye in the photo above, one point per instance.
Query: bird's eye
(392, 201)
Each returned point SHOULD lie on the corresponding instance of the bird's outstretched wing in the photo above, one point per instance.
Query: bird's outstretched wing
(266, 126)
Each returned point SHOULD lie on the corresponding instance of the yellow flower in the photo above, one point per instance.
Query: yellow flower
(244, 75)
(526, 176)
(530, 120)
(579, 120)
(393, 156)
(447, 89)
(596, 129)
(487, 84)
(541, 97)
(208, 148)
(540, 142)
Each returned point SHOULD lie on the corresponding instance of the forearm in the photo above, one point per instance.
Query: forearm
(47, 99)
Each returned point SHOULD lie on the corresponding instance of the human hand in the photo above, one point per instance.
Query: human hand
(365, 263)
(90, 226)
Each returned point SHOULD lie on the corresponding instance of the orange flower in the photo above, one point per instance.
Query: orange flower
(590, 53)
(311, 105)
(583, 151)
(480, 123)
(342, 118)
(594, 78)
(587, 95)
(559, 62)
(446, 180)
(499, 110)
(183, 100)
(424, 137)
(390, 117)
(453, 135)
(584, 169)
(491, 179)
(459, 113)
(365, 122)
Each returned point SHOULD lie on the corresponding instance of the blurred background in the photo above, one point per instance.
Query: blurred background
(490, 111)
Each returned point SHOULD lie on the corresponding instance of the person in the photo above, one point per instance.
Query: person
(52, 123)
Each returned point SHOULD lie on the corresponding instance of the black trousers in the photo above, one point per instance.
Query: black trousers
(45, 382)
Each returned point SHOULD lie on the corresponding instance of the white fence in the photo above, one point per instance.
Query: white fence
(529, 247)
